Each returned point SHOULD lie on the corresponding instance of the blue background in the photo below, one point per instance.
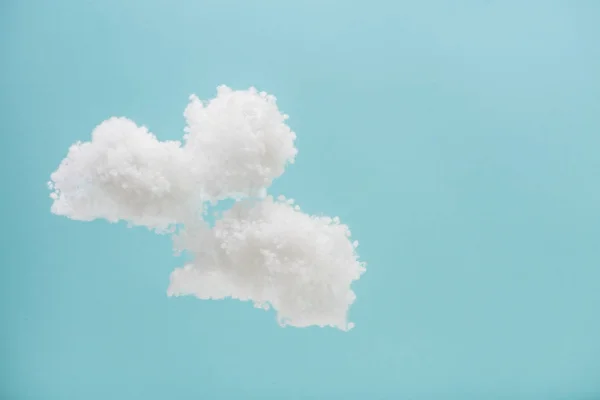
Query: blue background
(459, 140)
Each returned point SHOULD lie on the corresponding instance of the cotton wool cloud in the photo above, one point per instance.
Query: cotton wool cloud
(264, 249)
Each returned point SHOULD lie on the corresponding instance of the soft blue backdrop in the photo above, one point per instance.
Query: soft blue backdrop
(459, 140)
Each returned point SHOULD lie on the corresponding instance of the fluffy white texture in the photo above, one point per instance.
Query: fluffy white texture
(271, 253)
(261, 250)
(234, 147)
(124, 173)
(240, 141)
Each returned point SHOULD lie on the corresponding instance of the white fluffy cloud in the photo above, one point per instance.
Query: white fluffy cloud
(263, 250)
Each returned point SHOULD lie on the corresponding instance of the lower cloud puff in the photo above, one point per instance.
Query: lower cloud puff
(261, 250)
(273, 254)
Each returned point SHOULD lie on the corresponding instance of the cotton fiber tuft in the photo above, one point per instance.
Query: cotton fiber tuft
(262, 250)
